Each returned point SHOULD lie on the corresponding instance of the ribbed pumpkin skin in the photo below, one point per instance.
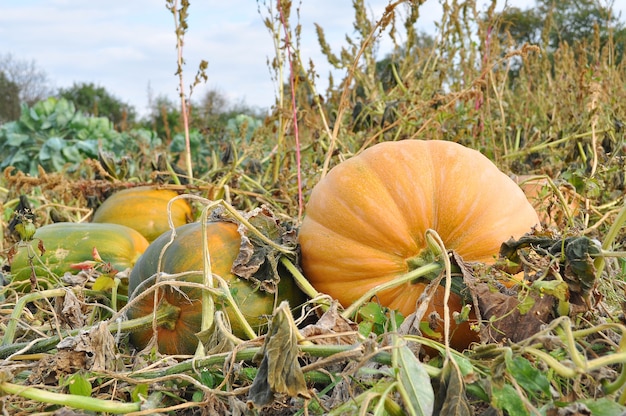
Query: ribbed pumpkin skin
(143, 208)
(69, 243)
(369, 215)
(185, 254)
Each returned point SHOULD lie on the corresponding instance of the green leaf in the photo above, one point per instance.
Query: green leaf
(16, 139)
(528, 377)
(557, 288)
(140, 390)
(103, 283)
(372, 312)
(79, 385)
(207, 378)
(71, 154)
(414, 383)
(526, 305)
(603, 407)
(51, 147)
(507, 398)
(88, 147)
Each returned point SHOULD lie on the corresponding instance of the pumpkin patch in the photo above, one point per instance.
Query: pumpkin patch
(366, 221)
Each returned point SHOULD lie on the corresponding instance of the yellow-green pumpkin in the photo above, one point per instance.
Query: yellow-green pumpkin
(144, 208)
(184, 255)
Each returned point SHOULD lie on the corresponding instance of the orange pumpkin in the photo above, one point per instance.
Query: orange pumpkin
(366, 220)
(185, 255)
(144, 209)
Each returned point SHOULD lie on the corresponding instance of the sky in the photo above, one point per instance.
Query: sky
(129, 48)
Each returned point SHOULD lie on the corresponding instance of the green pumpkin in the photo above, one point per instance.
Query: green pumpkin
(183, 255)
(66, 244)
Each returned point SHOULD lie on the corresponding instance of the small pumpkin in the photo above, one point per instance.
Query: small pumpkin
(185, 255)
(67, 244)
(366, 221)
(144, 208)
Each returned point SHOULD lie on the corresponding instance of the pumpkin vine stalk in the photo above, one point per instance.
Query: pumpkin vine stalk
(75, 401)
(423, 271)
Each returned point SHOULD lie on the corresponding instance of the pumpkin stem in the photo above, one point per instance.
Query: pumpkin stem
(425, 257)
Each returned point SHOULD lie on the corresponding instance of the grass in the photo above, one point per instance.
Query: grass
(555, 114)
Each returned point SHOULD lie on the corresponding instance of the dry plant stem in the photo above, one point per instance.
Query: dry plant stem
(301, 281)
(236, 215)
(281, 96)
(582, 365)
(549, 144)
(181, 86)
(341, 108)
(247, 354)
(294, 110)
(440, 246)
(74, 401)
(385, 405)
(563, 203)
(208, 305)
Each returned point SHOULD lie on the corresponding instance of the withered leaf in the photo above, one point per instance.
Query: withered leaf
(509, 249)
(69, 309)
(332, 328)
(580, 267)
(504, 318)
(97, 344)
(279, 371)
(214, 339)
(451, 397)
(257, 261)
(574, 255)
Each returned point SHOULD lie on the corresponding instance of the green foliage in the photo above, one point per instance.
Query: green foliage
(78, 384)
(164, 118)
(97, 101)
(219, 146)
(56, 136)
(550, 24)
(9, 99)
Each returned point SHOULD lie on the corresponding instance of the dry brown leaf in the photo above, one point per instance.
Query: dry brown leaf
(503, 316)
(257, 261)
(280, 370)
(97, 345)
(332, 328)
(69, 310)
